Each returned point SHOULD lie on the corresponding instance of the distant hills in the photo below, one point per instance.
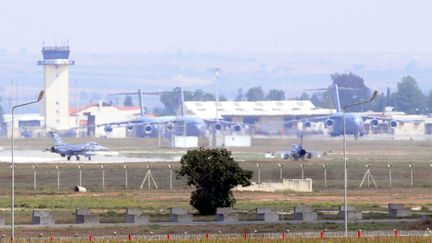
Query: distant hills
(99, 74)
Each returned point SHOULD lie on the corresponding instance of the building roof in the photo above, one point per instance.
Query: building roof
(92, 107)
(207, 109)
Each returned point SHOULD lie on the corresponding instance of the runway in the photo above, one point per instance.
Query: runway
(37, 156)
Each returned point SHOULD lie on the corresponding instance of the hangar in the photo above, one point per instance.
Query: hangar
(266, 117)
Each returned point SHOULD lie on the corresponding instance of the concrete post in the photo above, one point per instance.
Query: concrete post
(170, 177)
(280, 171)
(34, 177)
(58, 177)
(259, 173)
(126, 176)
(302, 170)
(390, 175)
(103, 177)
(325, 175)
(80, 176)
(411, 166)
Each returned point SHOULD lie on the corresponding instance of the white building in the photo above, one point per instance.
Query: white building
(267, 116)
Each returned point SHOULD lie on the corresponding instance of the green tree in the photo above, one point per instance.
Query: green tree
(213, 173)
(1, 115)
(128, 101)
(303, 96)
(275, 94)
(428, 103)
(255, 94)
(409, 97)
(171, 100)
(240, 95)
(352, 89)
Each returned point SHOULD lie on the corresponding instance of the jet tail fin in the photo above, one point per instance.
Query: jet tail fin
(141, 104)
(182, 107)
(57, 139)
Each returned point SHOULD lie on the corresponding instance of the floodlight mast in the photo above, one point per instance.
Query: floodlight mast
(40, 96)
(372, 98)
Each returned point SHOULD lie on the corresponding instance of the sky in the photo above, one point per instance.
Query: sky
(223, 26)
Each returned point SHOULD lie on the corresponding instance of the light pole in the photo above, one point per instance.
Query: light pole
(41, 94)
(374, 95)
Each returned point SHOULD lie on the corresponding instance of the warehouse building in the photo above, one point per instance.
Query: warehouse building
(264, 117)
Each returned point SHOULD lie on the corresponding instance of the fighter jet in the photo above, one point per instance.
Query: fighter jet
(69, 150)
(297, 152)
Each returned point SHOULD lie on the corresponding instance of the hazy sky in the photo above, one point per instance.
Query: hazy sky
(218, 26)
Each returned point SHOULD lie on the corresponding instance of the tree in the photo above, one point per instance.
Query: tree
(239, 96)
(171, 100)
(1, 114)
(409, 97)
(128, 101)
(303, 96)
(275, 94)
(356, 90)
(255, 94)
(213, 173)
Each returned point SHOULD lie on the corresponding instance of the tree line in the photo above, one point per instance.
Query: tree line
(407, 98)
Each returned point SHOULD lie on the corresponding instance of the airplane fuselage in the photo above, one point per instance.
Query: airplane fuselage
(354, 124)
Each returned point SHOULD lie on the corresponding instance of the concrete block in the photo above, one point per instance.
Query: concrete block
(177, 211)
(304, 213)
(263, 210)
(298, 185)
(398, 211)
(134, 216)
(226, 215)
(42, 217)
(224, 211)
(85, 216)
(181, 218)
(353, 214)
(179, 215)
(266, 215)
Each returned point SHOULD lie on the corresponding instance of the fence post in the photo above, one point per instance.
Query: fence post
(325, 175)
(322, 235)
(245, 236)
(411, 166)
(80, 176)
(396, 232)
(168, 236)
(359, 233)
(170, 176)
(259, 173)
(390, 175)
(129, 237)
(58, 177)
(126, 176)
(280, 172)
(103, 177)
(34, 177)
(302, 170)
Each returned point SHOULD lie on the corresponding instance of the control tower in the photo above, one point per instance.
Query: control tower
(55, 104)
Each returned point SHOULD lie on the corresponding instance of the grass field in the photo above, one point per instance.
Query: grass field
(111, 202)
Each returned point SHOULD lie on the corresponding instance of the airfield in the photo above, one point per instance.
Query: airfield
(110, 200)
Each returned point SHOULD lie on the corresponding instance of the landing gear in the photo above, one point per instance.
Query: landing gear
(89, 158)
(77, 157)
(68, 158)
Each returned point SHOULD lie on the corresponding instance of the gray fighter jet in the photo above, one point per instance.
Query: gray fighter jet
(68, 150)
